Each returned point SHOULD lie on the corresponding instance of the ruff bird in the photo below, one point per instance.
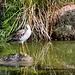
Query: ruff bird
(20, 37)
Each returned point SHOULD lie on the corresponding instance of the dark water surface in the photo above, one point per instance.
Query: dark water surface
(57, 58)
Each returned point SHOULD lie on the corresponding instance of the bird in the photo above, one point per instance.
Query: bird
(21, 36)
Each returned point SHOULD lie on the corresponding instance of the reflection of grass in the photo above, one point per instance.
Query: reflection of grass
(45, 56)
(65, 51)
(7, 49)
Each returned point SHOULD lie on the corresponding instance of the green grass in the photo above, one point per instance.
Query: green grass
(15, 12)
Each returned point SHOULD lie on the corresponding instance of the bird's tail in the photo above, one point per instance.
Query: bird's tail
(10, 40)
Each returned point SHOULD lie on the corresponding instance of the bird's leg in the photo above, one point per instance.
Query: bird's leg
(23, 50)
(20, 48)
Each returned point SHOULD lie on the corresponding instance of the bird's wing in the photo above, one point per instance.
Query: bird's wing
(18, 35)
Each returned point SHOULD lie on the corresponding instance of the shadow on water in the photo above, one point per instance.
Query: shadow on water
(57, 58)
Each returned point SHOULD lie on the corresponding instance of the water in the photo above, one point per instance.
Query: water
(57, 58)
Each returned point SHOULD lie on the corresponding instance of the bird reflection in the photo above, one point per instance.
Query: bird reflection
(23, 70)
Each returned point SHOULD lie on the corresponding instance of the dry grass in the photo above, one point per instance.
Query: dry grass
(40, 18)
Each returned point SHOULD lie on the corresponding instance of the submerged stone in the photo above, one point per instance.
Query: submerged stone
(16, 60)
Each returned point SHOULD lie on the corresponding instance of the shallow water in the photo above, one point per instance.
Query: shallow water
(49, 59)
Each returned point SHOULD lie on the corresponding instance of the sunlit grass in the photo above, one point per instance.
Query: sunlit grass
(46, 56)
(18, 13)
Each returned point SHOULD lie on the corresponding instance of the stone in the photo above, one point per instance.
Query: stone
(64, 22)
(16, 60)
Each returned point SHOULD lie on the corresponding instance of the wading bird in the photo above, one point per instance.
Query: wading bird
(20, 37)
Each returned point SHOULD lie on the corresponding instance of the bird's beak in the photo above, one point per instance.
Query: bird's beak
(25, 27)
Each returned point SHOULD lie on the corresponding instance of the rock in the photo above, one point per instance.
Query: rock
(16, 60)
(64, 22)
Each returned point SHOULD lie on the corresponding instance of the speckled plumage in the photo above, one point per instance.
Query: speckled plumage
(21, 35)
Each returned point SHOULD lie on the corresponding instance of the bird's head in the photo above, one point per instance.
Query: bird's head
(27, 26)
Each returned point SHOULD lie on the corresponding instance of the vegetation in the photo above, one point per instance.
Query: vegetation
(15, 14)
(51, 59)
(39, 14)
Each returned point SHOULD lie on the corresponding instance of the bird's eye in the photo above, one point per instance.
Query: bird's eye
(26, 28)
